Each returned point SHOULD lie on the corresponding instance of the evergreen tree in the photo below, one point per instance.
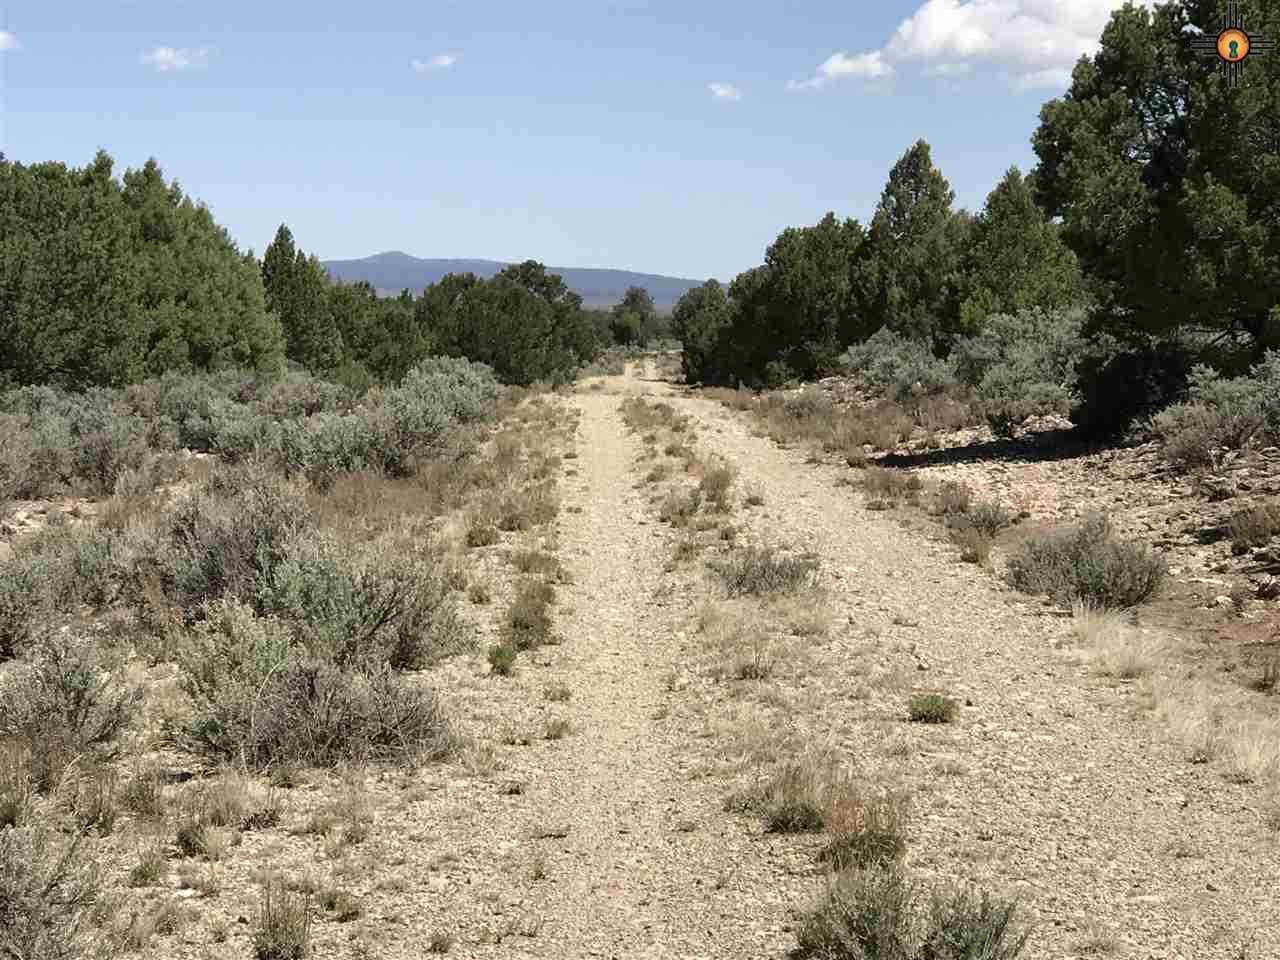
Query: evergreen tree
(906, 277)
(1015, 258)
(296, 290)
(1167, 181)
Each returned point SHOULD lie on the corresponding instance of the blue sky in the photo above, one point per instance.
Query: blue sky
(667, 137)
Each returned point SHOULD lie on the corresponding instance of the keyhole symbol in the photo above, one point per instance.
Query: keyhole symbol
(1235, 49)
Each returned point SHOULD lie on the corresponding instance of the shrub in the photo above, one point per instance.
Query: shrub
(932, 708)
(716, 484)
(1022, 364)
(352, 604)
(528, 620)
(1119, 385)
(62, 707)
(25, 601)
(228, 538)
(502, 659)
(1085, 563)
(309, 711)
(284, 925)
(878, 913)
(987, 519)
(46, 896)
(1221, 413)
(905, 371)
(1255, 526)
(810, 402)
(759, 571)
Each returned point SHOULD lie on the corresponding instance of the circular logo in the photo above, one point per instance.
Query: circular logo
(1233, 45)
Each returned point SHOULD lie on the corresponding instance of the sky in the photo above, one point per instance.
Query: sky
(664, 137)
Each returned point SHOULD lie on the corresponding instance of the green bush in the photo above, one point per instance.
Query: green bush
(361, 604)
(904, 370)
(47, 893)
(1119, 385)
(810, 402)
(1221, 413)
(932, 708)
(261, 700)
(62, 706)
(227, 538)
(1085, 563)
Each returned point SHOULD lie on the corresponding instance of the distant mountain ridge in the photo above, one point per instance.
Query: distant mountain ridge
(393, 271)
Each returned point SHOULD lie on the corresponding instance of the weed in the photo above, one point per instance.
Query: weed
(761, 571)
(502, 659)
(284, 926)
(932, 708)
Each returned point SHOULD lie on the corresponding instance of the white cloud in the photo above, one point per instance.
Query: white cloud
(8, 41)
(865, 66)
(724, 91)
(441, 61)
(165, 59)
(1034, 43)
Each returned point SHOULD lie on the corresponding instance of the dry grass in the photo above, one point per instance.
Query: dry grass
(1115, 647)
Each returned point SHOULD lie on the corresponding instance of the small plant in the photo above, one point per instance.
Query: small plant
(865, 833)
(556, 692)
(932, 708)
(528, 619)
(440, 942)
(679, 508)
(502, 659)
(149, 868)
(284, 926)
(716, 485)
(974, 544)
(557, 728)
(760, 571)
(478, 593)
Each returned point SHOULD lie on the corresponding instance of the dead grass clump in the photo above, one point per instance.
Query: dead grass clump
(789, 801)
(865, 831)
(284, 926)
(716, 486)
(760, 571)
(974, 544)
(537, 562)
(1116, 647)
(679, 507)
(529, 507)
(889, 485)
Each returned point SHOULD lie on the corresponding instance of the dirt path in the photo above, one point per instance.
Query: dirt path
(649, 865)
(1068, 799)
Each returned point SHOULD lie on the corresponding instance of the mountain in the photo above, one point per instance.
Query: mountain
(391, 272)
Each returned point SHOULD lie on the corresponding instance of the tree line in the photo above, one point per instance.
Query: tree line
(1154, 209)
(107, 281)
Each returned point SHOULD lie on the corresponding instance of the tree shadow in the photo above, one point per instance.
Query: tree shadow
(1045, 447)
